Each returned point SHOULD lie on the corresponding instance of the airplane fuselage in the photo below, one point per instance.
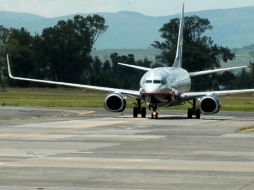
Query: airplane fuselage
(160, 86)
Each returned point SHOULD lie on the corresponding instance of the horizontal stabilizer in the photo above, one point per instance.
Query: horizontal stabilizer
(135, 67)
(194, 74)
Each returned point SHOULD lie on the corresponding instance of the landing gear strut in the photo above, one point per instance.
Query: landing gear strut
(194, 111)
(154, 114)
(139, 110)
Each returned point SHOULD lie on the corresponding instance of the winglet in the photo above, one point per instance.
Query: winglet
(9, 68)
(179, 51)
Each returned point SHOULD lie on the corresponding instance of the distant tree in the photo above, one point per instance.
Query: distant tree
(244, 80)
(124, 77)
(4, 34)
(199, 52)
(19, 46)
(252, 73)
(226, 79)
(96, 71)
(114, 61)
(251, 53)
(106, 67)
(67, 47)
(252, 67)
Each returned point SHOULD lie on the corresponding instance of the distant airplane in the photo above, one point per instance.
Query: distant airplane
(159, 87)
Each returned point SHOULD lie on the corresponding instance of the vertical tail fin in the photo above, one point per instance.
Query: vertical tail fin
(179, 51)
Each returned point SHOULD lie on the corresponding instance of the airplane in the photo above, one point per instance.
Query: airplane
(159, 87)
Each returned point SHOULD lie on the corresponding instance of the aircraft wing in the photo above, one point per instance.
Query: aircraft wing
(193, 74)
(191, 95)
(97, 88)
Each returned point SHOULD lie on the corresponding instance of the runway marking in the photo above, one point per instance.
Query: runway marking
(86, 112)
(121, 137)
(127, 163)
(73, 125)
(32, 152)
(242, 135)
(83, 153)
(225, 153)
(55, 188)
(35, 136)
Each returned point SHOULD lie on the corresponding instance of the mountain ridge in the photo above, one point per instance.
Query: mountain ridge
(232, 27)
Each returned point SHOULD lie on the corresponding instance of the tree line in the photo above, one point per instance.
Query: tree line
(63, 53)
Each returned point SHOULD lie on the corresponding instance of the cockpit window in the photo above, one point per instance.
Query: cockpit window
(157, 81)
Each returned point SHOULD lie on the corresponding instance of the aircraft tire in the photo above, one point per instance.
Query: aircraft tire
(143, 112)
(198, 114)
(190, 113)
(135, 112)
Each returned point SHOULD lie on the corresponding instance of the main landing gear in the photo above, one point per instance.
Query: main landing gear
(139, 110)
(194, 111)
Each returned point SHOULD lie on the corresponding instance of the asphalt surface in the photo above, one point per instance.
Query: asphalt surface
(53, 149)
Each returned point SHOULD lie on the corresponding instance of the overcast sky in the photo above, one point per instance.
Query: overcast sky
(53, 8)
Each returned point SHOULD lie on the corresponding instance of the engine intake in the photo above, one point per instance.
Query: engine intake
(115, 102)
(209, 105)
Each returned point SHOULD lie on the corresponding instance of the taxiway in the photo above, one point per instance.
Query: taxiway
(55, 149)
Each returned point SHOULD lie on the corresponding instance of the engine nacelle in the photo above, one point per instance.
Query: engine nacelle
(115, 102)
(209, 105)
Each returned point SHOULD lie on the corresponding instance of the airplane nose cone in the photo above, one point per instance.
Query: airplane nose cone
(152, 89)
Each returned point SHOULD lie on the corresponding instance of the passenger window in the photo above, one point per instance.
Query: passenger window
(149, 81)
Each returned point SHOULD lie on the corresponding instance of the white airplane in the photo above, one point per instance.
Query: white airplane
(159, 87)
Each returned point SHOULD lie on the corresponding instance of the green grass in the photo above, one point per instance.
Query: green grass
(50, 97)
(238, 103)
(243, 103)
(80, 98)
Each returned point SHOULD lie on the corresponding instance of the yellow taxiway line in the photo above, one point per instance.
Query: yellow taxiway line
(247, 129)
(86, 112)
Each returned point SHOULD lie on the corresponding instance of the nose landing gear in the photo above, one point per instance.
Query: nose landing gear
(139, 110)
(154, 114)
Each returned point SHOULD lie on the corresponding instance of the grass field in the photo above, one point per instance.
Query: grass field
(80, 98)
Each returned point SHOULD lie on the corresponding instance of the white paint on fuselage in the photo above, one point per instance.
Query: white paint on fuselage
(173, 81)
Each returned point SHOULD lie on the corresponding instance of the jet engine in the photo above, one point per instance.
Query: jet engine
(209, 105)
(115, 102)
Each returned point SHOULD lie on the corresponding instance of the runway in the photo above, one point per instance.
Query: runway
(76, 149)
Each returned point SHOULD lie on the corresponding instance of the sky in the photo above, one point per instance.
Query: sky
(55, 8)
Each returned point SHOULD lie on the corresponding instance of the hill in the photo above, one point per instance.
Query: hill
(243, 56)
(232, 27)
